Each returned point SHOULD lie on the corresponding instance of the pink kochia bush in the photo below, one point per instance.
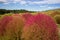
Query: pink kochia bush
(3, 22)
(40, 27)
(14, 27)
(27, 16)
(11, 27)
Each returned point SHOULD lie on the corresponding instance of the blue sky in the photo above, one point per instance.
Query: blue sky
(32, 5)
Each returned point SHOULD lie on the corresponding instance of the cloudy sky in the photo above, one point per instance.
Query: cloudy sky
(33, 5)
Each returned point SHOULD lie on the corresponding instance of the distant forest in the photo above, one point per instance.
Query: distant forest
(3, 11)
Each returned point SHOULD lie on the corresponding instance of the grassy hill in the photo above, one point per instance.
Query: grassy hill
(53, 10)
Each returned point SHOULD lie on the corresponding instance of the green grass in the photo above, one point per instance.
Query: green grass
(58, 25)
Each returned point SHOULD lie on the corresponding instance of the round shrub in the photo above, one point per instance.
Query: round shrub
(57, 18)
(40, 27)
(27, 15)
(14, 27)
(3, 22)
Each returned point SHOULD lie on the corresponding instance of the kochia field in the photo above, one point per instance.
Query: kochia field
(29, 26)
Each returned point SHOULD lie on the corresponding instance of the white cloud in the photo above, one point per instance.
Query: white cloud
(15, 1)
(20, 1)
(40, 2)
(47, 7)
(52, 7)
(44, 6)
(6, 2)
(45, 2)
(3, 1)
(31, 2)
(23, 2)
(52, 1)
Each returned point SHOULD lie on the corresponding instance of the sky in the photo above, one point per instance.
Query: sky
(31, 5)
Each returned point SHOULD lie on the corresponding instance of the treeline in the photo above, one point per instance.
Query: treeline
(3, 11)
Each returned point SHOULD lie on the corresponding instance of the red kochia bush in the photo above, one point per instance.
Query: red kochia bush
(17, 22)
(40, 27)
(3, 22)
(14, 27)
(27, 15)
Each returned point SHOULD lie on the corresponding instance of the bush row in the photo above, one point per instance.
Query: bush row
(28, 27)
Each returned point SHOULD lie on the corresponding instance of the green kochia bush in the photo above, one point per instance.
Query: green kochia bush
(57, 18)
(40, 27)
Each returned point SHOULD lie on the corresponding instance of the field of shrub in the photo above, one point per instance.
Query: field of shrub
(30, 26)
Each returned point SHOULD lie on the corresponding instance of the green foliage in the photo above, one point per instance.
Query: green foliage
(57, 18)
(4, 11)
